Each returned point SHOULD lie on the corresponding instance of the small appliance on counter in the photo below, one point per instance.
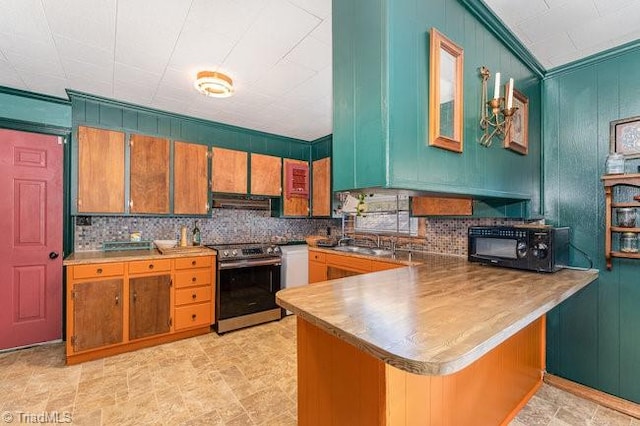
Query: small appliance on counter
(534, 248)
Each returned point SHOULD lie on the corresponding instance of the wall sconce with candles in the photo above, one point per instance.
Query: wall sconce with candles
(495, 116)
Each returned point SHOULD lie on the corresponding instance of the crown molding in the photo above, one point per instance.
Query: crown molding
(631, 47)
(495, 25)
(34, 95)
(122, 104)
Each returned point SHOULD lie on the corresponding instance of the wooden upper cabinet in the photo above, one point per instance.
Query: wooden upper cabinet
(190, 183)
(100, 171)
(321, 195)
(293, 205)
(266, 175)
(441, 206)
(149, 175)
(229, 171)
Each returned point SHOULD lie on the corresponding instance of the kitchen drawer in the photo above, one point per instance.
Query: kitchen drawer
(184, 296)
(317, 256)
(194, 262)
(98, 270)
(193, 315)
(195, 277)
(350, 262)
(143, 266)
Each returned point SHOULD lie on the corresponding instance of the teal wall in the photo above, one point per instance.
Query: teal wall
(381, 96)
(594, 337)
(25, 106)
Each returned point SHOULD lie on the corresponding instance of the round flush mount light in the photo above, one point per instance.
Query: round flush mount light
(214, 84)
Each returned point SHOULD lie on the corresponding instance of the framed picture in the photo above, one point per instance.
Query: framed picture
(517, 137)
(624, 136)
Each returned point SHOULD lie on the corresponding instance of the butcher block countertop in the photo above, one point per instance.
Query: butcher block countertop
(436, 318)
(87, 257)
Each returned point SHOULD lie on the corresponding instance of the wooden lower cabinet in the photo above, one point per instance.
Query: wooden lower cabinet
(97, 314)
(329, 266)
(116, 307)
(317, 272)
(194, 296)
(149, 306)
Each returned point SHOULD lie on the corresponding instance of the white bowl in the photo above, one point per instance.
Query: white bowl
(165, 244)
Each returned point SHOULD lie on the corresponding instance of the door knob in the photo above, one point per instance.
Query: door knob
(53, 255)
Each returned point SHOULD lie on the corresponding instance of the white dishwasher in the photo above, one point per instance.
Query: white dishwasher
(295, 266)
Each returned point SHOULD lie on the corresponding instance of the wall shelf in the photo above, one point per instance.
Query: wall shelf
(609, 182)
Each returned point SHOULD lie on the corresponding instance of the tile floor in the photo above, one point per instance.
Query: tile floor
(247, 377)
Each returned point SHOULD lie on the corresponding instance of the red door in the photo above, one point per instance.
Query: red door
(30, 238)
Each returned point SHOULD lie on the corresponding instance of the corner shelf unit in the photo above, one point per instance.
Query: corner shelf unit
(609, 181)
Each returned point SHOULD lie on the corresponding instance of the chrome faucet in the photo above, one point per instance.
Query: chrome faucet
(344, 239)
(375, 240)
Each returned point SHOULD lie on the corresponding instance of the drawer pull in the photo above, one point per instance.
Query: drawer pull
(193, 279)
(151, 266)
(99, 271)
(193, 263)
(193, 296)
(193, 317)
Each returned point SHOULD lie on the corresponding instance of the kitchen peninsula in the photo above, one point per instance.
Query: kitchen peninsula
(447, 342)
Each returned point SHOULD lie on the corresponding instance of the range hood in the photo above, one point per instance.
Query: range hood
(241, 202)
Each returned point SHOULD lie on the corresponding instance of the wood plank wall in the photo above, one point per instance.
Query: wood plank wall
(593, 338)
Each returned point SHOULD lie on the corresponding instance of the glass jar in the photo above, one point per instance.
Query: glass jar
(614, 164)
(626, 217)
(629, 242)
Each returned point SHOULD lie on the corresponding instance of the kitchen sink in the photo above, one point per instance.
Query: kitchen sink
(363, 250)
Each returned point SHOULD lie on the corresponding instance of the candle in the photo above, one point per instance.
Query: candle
(496, 89)
(510, 98)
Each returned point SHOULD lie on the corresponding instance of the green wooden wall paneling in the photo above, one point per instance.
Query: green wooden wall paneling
(321, 148)
(383, 130)
(34, 108)
(592, 338)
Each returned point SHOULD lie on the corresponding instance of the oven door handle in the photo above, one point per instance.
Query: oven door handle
(249, 263)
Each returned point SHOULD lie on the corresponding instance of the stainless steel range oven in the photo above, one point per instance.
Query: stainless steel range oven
(248, 279)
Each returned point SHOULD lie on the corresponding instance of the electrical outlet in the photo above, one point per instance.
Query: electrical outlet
(83, 220)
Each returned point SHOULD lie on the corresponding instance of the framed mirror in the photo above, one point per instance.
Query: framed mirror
(445, 92)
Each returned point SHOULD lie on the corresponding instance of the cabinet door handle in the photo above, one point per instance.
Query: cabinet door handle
(151, 266)
(193, 317)
(117, 299)
(193, 296)
(135, 297)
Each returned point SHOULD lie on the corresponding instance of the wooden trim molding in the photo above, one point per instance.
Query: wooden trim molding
(34, 95)
(607, 400)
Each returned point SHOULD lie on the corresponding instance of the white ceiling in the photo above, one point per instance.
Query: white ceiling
(278, 52)
(561, 31)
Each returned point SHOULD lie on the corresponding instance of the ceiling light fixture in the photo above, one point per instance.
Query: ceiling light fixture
(214, 84)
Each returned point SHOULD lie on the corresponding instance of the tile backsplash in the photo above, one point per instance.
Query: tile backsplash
(448, 236)
(224, 226)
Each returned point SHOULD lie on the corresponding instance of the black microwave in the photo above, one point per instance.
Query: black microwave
(542, 249)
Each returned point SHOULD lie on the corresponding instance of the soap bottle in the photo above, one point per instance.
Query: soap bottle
(196, 234)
